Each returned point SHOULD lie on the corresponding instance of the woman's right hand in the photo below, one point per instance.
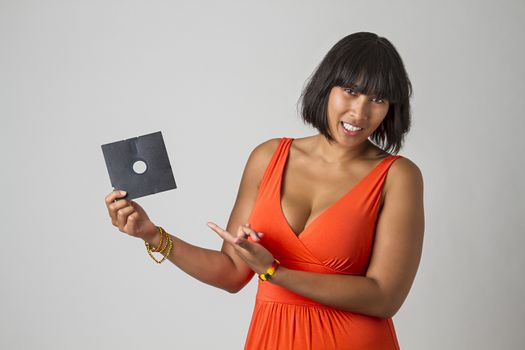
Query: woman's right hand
(129, 217)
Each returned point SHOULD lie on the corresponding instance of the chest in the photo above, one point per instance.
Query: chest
(308, 191)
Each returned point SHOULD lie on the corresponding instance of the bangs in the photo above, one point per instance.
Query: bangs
(370, 70)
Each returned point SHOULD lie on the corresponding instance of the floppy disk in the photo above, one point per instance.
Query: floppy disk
(139, 166)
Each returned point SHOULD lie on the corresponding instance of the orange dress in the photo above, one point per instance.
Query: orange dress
(339, 241)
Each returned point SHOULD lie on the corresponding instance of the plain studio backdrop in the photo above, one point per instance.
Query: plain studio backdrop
(218, 78)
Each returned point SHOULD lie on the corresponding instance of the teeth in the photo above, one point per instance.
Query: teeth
(350, 127)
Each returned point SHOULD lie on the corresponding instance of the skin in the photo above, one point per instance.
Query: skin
(313, 163)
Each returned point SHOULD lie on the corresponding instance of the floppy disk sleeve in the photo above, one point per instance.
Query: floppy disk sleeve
(122, 158)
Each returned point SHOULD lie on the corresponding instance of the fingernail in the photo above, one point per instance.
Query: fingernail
(123, 192)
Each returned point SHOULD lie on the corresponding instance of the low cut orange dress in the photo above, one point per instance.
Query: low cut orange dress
(339, 241)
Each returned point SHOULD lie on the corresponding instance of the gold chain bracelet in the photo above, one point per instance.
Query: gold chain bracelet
(163, 236)
(168, 243)
(156, 250)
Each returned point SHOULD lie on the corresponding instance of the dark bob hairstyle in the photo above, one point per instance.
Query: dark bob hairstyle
(371, 65)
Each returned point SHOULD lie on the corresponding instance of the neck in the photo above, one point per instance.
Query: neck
(337, 153)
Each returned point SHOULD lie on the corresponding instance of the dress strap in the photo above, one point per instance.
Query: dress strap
(372, 185)
(274, 167)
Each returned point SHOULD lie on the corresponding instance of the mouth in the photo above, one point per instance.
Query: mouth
(350, 127)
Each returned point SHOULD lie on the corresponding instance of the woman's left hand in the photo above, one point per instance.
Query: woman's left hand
(258, 258)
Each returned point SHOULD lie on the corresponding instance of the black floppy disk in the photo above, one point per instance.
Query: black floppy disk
(139, 166)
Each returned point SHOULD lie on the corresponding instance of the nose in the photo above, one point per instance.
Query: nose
(359, 106)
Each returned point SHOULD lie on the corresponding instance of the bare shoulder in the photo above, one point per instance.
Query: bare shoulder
(265, 149)
(260, 156)
(402, 173)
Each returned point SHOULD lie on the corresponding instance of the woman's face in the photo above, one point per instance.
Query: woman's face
(353, 117)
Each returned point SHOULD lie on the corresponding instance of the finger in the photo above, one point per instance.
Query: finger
(241, 233)
(228, 237)
(132, 219)
(248, 232)
(114, 207)
(122, 216)
(113, 195)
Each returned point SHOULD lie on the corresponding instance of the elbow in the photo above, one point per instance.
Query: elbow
(387, 310)
(233, 290)
(236, 286)
(236, 279)
(386, 314)
(382, 306)
(231, 287)
(386, 304)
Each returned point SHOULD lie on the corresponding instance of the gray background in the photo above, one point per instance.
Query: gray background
(218, 78)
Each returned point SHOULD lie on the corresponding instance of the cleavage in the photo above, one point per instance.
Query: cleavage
(307, 195)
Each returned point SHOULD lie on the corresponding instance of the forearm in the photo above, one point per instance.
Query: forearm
(358, 294)
(209, 266)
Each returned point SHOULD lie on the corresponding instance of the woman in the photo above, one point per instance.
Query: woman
(332, 223)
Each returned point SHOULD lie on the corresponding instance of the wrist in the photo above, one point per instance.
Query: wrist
(163, 247)
(268, 274)
(152, 235)
(279, 276)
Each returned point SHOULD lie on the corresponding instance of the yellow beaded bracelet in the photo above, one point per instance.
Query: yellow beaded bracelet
(271, 270)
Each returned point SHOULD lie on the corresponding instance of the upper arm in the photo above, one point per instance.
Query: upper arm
(244, 203)
(399, 234)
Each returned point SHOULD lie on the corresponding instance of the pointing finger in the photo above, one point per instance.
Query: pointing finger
(228, 237)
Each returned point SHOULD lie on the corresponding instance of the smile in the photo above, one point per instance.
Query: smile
(350, 127)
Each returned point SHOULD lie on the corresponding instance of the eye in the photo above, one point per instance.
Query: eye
(350, 91)
(377, 100)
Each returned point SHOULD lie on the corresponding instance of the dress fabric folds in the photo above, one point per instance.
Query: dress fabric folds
(338, 241)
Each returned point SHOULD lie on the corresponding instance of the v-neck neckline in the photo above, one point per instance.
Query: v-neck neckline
(318, 217)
